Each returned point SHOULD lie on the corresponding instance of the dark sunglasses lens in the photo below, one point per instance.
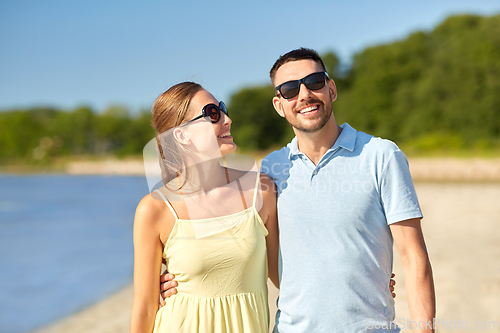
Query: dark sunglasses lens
(223, 107)
(290, 89)
(212, 112)
(315, 81)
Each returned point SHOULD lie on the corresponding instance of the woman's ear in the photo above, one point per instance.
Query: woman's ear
(181, 136)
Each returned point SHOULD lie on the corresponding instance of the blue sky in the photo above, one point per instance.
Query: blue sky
(99, 53)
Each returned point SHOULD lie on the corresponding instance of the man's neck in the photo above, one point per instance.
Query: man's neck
(315, 145)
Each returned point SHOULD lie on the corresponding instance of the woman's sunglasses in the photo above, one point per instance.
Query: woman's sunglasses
(211, 112)
(314, 81)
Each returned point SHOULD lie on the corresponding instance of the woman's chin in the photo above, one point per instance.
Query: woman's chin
(227, 148)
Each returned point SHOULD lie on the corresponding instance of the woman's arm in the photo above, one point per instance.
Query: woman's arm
(147, 265)
(269, 215)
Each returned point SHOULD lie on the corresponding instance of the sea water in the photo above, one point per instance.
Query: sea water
(65, 243)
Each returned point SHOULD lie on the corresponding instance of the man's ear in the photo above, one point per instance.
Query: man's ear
(333, 89)
(278, 106)
(181, 136)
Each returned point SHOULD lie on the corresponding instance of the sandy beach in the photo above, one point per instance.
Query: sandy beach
(461, 222)
(460, 201)
(422, 169)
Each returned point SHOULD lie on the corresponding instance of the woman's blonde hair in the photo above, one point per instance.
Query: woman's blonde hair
(170, 110)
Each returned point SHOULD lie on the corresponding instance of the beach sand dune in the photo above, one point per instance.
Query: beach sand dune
(461, 225)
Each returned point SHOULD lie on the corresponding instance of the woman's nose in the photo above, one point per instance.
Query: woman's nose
(226, 120)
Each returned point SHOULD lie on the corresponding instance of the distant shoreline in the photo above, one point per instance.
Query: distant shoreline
(434, 169)
(422, 169)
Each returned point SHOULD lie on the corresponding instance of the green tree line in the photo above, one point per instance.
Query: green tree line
(42, 133)
(433, 90)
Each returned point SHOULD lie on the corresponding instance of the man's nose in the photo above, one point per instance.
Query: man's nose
(304, 92)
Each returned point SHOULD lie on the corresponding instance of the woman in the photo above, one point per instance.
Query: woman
(210, 223)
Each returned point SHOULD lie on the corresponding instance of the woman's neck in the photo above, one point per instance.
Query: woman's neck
(206, 176)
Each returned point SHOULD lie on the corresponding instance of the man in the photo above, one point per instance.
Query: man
(343, 197)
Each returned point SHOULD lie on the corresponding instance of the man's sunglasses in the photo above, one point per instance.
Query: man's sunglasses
(211, 112)
(314, 81)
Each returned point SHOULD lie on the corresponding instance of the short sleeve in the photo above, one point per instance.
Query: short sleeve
(265, 165)
(398, 195)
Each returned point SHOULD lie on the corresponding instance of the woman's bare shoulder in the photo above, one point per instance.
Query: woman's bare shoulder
(267, 183)
(151, 209)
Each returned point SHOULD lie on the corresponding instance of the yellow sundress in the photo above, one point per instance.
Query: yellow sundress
(221, 274)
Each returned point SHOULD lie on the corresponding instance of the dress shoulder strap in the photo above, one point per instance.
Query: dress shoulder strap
(168, 204)
(256, 189)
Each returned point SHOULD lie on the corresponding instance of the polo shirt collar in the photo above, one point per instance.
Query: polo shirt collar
(346, 140)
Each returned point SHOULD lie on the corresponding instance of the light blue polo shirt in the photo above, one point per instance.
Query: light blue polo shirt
(335, 242)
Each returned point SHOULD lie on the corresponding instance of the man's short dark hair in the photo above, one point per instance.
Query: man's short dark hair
(295, 55)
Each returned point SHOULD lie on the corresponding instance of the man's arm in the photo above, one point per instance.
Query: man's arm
(419, 284)
(268, 213)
